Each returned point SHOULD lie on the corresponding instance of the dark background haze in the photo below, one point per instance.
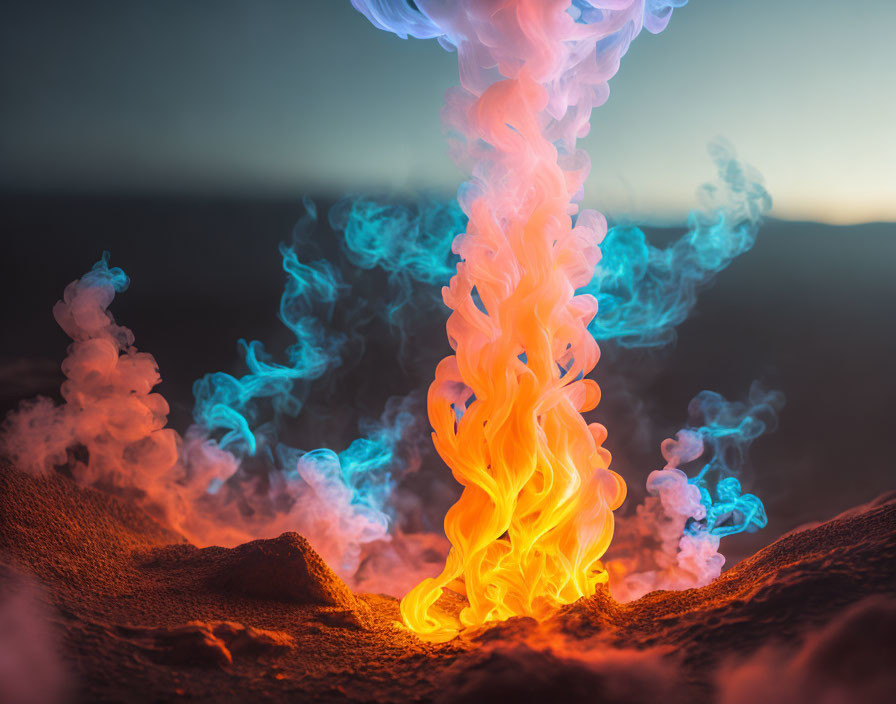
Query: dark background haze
(181, 137)
(808, 311)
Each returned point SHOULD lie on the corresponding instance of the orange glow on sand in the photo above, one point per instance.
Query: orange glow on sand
(535, 515)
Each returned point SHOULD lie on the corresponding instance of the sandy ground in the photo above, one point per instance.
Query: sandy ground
(99, 603)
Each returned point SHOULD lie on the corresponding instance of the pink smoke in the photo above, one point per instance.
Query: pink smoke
(111, 433)
(653, 549)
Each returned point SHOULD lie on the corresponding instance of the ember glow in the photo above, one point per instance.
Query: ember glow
(535, 516)
(530, 294)
(400, 483)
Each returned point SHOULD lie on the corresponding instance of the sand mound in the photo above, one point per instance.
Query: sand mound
(285, 568)
(147, 617)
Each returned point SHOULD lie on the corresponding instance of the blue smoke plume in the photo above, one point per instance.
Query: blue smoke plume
(101, 275)
(644, 292)
(727, 430)
(233, 406)
(402, 18)
(411, 242)
(406, 18)
(339, 498)
(672, 539)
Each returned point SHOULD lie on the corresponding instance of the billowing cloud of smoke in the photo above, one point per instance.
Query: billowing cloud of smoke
(497, 40)
(644, 291)
(110, 411)
(231, 478)
(672, 541)
(337, 499)
(110, 433)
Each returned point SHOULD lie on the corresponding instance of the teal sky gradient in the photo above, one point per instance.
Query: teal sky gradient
(278, 97)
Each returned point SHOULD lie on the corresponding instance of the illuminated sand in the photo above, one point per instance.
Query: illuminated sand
(146, 617)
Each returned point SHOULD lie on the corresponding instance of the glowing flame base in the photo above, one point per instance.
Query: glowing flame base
(535, 515)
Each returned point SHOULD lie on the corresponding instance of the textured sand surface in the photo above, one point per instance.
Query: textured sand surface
(142, 616)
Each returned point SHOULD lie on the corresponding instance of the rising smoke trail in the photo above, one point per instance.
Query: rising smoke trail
(233, 406)
(644, 292)
(339, 500)
(411, 242)
(672, 541)
(535, 515)
(110, 433)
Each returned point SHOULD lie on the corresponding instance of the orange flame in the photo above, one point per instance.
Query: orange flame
(535, 515)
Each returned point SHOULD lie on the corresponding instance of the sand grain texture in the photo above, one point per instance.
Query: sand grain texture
(146, 617)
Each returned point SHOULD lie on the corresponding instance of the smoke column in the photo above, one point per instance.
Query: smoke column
(535, 515)
(672, 541)
(110, 412)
